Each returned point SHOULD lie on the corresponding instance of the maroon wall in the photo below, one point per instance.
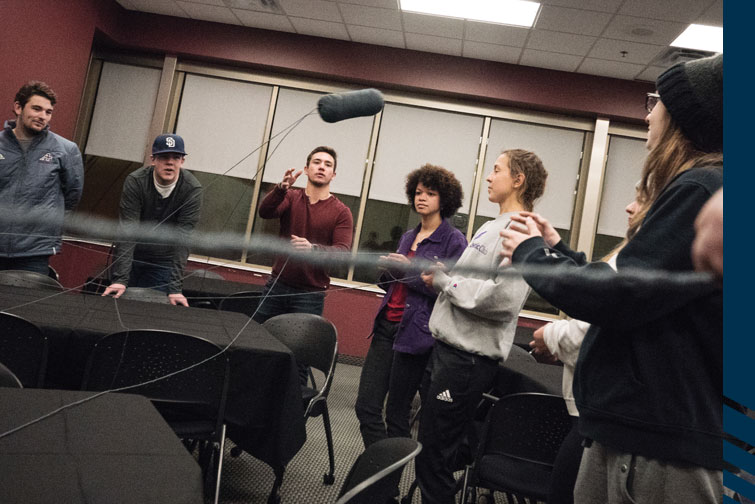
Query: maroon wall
(49, 41)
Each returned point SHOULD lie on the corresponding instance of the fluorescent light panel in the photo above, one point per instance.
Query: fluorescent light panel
(510, 12)
(702, 38)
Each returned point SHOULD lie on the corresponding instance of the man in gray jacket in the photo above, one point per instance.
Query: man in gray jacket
(41, 177)
(159, 194)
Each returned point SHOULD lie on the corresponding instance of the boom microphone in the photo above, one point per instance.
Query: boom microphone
(337, 107)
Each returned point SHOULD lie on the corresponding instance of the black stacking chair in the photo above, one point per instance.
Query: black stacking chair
(191, 401)
(518, 353)
(145, 294)
(314, 343)
(520, 439)
(23, 278)
(23, 349)
(53, 274)
(205, 273)
(8, 379)
(245, 302)
(375, 475)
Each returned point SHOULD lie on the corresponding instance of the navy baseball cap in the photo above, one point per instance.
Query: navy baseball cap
(168, 143)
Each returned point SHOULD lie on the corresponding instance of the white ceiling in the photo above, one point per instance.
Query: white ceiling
(613, 38)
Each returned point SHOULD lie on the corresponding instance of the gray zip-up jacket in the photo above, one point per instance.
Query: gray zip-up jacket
(476, 312)
(36, 188)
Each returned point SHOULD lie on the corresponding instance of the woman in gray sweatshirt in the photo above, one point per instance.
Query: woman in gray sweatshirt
(473, 323)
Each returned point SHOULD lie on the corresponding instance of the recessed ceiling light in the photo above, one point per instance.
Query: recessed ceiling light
(701, 37)
(510, 12)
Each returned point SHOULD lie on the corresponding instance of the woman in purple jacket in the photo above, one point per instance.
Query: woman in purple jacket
(401, 340)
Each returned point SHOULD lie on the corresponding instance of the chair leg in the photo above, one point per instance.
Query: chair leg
(275, 497)
(465, 487)
(328, 478)
(219, 463)
(410, 495)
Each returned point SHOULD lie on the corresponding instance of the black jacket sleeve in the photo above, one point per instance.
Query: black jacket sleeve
(593, 292)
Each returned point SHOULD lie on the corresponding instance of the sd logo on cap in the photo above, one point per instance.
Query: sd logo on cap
(168, 143)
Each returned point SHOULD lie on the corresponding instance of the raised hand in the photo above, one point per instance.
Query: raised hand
(548, 232)
(289, 178)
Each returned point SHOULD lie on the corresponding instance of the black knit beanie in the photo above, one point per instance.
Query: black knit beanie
(693, 93)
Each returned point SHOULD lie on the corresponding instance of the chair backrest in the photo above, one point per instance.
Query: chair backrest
(8, 379)
(23, 349)
(518, 353)
(204, 273)
(312, 339)
(145, 294)
(245, 302)
(375, 474)
(529, 426)
(132, 357)
(22, 278)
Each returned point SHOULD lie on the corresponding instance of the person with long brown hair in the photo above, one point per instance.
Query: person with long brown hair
(648, 379)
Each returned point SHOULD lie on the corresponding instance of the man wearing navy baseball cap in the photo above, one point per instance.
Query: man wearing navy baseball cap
(161, 193)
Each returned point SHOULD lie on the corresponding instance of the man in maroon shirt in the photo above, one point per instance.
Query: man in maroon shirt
(311, 218)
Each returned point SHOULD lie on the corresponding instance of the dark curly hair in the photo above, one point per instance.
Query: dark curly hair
(32, 88)
(438, 179)
(528, 164)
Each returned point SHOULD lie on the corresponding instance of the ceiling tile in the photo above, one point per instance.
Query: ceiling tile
(610, 68)
(644, 30)
(433, 44)
(433, 25)
(210, 13)
(596, 5)
(385, 4)
(713, 16)
(319, 28)
(554, 61)
(495, 33)
(377, 36)
(264, 20)
(684, 11)
(609, 49)
(371, 16)
(492, 52)
(217, 3)
(572, 20)
(165, 7)
(567, 43)
(311, 9)
(651, 73)
(255, 5)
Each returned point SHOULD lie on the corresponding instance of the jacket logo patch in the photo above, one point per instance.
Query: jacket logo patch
(2, 157)
(482, 249)
(47, 158)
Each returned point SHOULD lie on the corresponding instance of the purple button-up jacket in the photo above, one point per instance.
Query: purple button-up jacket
(445, 245)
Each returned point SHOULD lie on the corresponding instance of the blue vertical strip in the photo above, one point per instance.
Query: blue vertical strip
(739, 342)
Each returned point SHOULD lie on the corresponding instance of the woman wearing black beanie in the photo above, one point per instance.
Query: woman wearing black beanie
(649, 378)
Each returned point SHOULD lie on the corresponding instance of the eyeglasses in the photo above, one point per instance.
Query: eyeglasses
(651, 100)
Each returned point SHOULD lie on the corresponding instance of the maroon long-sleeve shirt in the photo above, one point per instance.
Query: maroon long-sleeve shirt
(327, 223)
